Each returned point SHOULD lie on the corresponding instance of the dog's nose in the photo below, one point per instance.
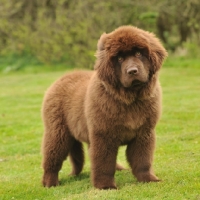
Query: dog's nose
(132, 71)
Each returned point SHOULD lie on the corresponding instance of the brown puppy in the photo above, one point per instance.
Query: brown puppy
(117, 104)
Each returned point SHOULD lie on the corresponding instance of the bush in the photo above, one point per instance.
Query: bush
(63, 31)
(67, 31)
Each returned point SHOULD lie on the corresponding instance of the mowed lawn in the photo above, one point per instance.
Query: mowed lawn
(177, 156)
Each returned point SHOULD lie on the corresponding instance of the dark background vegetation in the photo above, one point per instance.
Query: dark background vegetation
(50, 32)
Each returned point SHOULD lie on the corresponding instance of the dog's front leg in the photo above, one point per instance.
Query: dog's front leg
(140, 155)
(103, 153)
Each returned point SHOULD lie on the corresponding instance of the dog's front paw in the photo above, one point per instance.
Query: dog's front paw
(147, 177)
(50, 179)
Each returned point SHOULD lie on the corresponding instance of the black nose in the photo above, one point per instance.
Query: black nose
(132, 71)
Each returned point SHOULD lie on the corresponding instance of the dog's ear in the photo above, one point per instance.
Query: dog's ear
(100, 52)
(157, 53)
(103, 65)
(101, 42)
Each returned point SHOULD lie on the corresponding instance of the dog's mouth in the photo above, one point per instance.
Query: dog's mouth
(137, 83)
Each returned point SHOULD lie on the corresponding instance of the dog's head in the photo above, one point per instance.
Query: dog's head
(128, 57)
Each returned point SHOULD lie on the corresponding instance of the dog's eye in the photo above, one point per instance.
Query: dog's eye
(120, 59)
(138, 54)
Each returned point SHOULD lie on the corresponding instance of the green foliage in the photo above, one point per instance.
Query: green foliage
(16, 62)
(192, 49)
(178, 22)
(176, 158)
(54, 31)
(66, 31)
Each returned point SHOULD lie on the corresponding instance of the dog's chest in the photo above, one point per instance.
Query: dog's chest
(125, 134)
(134, 120)
(134, 116)
(129, 120)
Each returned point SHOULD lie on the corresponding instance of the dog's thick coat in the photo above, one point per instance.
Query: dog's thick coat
(117, 104)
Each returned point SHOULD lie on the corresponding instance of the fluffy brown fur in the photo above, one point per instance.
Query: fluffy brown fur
(117, 104)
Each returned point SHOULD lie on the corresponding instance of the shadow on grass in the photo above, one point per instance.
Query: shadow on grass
(70, 179)
(82, 182)
(76, 184)
(125, 178)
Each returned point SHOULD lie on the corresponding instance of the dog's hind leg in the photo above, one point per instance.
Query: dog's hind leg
(57, 142)
(76, 157)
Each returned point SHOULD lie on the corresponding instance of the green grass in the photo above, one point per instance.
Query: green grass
(177, 156)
